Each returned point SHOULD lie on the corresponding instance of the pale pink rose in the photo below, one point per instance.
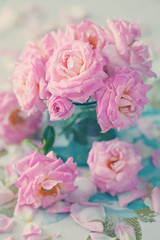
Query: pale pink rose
(125, 232)
(89, 215)
(32, 231)
(30, 86)
(15, 125)
(156, 158)
(6, 195)
(43, 48)
(121, 101)
(75, 71)
(5, 223)
(99, 236)
(44, 180)
(60, 108)
(114, 166)
(87, 31)
(124, 49)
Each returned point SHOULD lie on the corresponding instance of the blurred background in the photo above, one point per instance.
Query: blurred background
(21, 21)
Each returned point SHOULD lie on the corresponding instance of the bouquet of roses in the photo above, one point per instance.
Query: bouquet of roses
(86, 63)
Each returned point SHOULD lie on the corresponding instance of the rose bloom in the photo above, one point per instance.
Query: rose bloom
(44, 180)
(121, 101)
(114, 166)
(15, 125)
(43, 48)
(60, 108)
(29, 85)
(87, 31)
(123, 48)
(75, 71)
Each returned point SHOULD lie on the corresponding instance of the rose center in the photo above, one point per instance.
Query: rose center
(50, 192)
(115, 164)
(15, 117)
(125, 105)
(92, 41)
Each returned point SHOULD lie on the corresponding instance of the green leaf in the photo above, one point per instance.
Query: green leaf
(146, 215)
(135, 224)
(111, 134)
(109, 226)
(48, 138)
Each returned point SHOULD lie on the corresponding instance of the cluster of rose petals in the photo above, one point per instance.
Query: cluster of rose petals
(114, 166)
(125, 49)
(125, 232)
(44, 180)
(75, 71)
(60, 108)
(121, 101)
(15, 125)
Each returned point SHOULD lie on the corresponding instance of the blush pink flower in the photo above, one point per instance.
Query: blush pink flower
(121, 101)
(156, 158)
(30, 86)
(75, 71)
(87, 31)
(44, 180)
(125, 232)
(124, 49)
(14, 124)
(114, 166)
(60, 108)
(6, 195)
(43, 48)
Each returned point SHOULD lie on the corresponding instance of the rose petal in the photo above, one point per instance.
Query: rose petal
(99, 236)
(85, 214)
(125, 232)
(156, 158)
(32, 231)
(59, 207)
(126, 197)
(6, 195)
(155, 196)
(8, 238)
(86, 189)
(24, 212)
(5, 223)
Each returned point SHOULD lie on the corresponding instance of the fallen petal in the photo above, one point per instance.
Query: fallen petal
(5, 223)
(86, 189)
(24, 212)
(59, 207)
(6, 195)
(126, 197)
(155, 196)
(125, 232)
(99, 236)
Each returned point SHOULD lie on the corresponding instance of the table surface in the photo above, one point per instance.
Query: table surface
(21, 21)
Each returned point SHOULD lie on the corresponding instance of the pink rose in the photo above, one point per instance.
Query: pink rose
(60, 108)
(43, 48)
(114, 166)
(125, 50)
(30, 86)
(87, 31)
(15, 125)
(121, 101)
(75, 71)
(44, 180)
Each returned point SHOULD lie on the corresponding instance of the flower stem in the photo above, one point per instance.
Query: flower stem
(32, 145)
